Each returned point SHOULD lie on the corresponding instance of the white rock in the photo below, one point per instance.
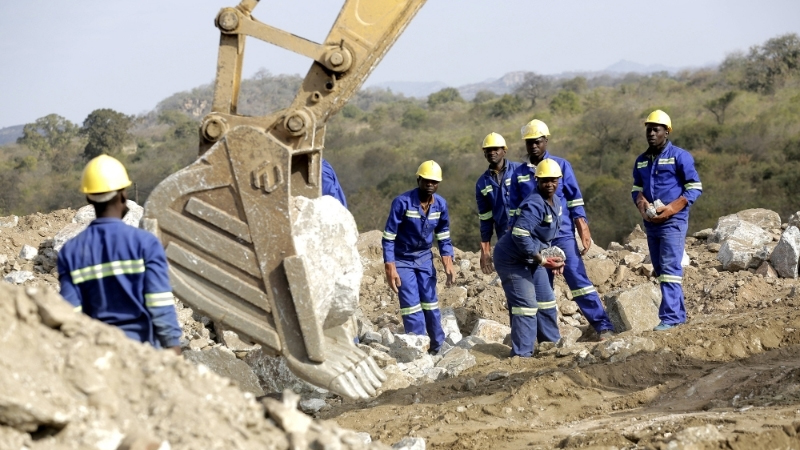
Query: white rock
(67, 233)
(311, 405)
(733, 227)
(86, 214)
(456, 361)
(490, 331)
(685, 261)
(3, 260)
(364, 436)
(450, 326)
(687, 437)
(28, 252)
(785, 257)
(325, 235)
(469, 342)
(9, 221)
(736, 255)
(18, 276)
(387, 337)
(464, 265)
(633, 259)
(408, 347)
(410, 443)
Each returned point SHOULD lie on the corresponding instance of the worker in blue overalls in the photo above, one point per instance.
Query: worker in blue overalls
(518, 260)
(666, 172)
(330, 183)
(535, 133)
(491, 194)
(415, 218)
(114, 272)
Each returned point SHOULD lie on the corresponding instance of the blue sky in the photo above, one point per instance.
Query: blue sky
(70, 58)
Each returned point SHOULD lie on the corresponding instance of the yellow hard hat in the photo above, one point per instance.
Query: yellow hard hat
(104, 174)
(660, 117)
(430, 171)
(494, 140)
(548, 168)
(535, 129)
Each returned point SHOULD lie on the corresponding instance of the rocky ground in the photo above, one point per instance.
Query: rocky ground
(726, 379)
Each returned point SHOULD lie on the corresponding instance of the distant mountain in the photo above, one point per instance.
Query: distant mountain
(419, 89)
(500, 86)
(625, 66)
(10, 134)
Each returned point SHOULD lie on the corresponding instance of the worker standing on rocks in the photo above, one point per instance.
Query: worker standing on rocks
(521, 266)
(665, 185)
(535, 134)
(330, 183)
(492, 195)
(114, 272)
(415, 218)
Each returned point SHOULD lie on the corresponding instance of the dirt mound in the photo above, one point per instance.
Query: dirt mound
(69, 382)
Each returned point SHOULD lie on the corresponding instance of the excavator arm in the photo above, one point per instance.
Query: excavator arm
(226, 220)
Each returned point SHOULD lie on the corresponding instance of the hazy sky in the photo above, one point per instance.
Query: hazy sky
(71, 57)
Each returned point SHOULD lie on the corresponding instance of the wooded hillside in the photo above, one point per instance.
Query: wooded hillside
(740, 121)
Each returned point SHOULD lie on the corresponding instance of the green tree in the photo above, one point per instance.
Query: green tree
(766, 67)
(182, 126)
(719, 105)
(566, 103)
(534, 87)
(446, 95)
(484, 96)
(414, 118)
(576, 85)
(48, 134)
(107, 132)
(506, 106)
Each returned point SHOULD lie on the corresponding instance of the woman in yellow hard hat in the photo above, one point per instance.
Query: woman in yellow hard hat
(416, 217)
(519, 262)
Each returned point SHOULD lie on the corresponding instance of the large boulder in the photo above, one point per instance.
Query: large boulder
(761, 217)
(787, 253)
(734, 227)
(325, 235)
(634, 309)
(450, 326)
(736, 255)
(600, 270)
(490, 331)
(408, 347)
(456, 361)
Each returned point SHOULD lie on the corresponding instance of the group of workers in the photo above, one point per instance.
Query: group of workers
(118, 274)
(535, 208)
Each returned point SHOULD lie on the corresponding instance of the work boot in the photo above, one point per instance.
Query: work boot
(664, 326)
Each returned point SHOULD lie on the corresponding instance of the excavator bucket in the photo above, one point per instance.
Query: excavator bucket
(226, 220)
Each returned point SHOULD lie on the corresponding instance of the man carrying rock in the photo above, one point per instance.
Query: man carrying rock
(491, 194)
(665, 184)
(535, 133)
(415, 218)
(114, 272)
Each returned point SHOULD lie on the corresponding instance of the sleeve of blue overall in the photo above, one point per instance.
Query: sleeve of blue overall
(68, 290)
(485, 210)
(330, 183)
(158, 297)
(390, 231)
(529, 217)
(638, 183)
(572, 193)
(514, 196)
(442, 232)
(692, 187)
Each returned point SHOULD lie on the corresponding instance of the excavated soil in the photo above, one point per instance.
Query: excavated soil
(727, 379)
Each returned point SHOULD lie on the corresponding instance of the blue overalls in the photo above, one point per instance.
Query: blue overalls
(531, 302)
(330, 183)
(493, 201)
(117, 274)
(668, 176)
(583, 291)
(407, 241)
